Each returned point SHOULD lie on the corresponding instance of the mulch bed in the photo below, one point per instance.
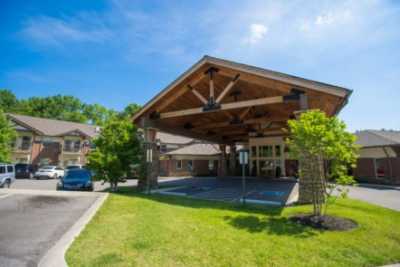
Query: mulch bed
(325, 222)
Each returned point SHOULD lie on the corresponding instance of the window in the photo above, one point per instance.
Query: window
(26, 143)
(179, 164)
(254, 151)
(72, 146)
(266, 151)
(10, 169)
(211, 165)
(2, 169)
(190, 165)
(277, 150)
(77, 146)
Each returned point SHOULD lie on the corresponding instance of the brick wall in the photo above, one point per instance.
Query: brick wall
(200, 168)
(390, 167)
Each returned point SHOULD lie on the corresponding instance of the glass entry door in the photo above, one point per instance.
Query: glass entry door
(267, 160)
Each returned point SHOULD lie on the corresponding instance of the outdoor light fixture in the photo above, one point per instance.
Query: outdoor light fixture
(244, 160)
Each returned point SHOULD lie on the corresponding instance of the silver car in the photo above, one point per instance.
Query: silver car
(7, 174)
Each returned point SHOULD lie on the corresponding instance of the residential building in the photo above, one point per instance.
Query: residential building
(182, 156)
(379, 159)
(46, 141)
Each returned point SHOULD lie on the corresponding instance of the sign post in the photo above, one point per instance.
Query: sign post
(244, 160)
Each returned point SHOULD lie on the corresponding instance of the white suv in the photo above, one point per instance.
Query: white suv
(49, 172)
(7, 174)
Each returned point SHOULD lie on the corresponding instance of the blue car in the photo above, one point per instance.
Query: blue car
(76, 179)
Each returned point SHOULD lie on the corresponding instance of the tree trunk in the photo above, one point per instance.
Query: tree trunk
(312, 182)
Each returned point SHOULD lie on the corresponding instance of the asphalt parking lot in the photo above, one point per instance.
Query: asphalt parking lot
(30, 224)
(51, 184)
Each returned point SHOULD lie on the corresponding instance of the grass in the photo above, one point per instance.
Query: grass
(133, 229)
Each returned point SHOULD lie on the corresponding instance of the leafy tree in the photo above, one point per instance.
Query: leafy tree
(130, 110)
(325, 151)
(117, 148)
(7, 136)
(8, 101)
(98, 114)
(59, 107)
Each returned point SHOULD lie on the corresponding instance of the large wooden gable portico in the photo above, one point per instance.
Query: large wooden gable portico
(227, 102)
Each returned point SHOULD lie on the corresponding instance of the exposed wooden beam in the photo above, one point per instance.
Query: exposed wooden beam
(210, 73)
(165, 103)
(225, 106)
(245, 122)
(198, 95)
(227, 88)
(243, 114)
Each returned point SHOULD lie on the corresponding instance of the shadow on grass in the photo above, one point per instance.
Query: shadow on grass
(270, 222)
(270, 225)
(200, 203)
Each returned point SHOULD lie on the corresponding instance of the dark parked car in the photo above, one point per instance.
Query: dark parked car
(24, 170)
(76, 179)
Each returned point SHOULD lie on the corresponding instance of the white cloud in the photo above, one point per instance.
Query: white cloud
(256, 34)
(53, 31)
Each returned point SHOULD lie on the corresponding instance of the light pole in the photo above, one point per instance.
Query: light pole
(149, 160)
(244, 160)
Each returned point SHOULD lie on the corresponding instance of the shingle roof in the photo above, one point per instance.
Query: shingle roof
(167, 138)
(372, 138)
(52, 127)
(197, 149)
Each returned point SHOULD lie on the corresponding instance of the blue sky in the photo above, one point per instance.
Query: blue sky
(118, 52)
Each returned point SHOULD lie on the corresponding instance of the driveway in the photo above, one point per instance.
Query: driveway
(31, 222)
(388, 197)
(262, 191)
(51, 184)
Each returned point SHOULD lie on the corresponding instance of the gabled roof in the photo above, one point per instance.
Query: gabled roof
(199, 149)
(375, 138)
(166, 138)
(50, 127)
(261, 72)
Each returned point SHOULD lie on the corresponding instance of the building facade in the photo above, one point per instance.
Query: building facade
(230, 104)
(45, 141)
(182, 156)
(379, 159)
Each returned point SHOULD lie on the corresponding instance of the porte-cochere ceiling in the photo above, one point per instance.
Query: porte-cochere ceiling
(228, 102)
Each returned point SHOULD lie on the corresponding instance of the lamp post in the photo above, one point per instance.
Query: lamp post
(244, 160)
(149, 160)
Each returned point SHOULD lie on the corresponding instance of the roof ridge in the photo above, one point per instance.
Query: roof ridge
(49, 119)
(381, 136)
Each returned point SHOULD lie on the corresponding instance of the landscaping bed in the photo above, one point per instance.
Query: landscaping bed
(134, 229)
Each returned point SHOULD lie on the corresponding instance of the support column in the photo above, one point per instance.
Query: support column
(150, 181)
(222, 161)
(232, 160)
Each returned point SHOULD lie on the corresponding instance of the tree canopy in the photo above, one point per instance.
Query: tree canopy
(62, 107)
(118, 149)
(7, 136)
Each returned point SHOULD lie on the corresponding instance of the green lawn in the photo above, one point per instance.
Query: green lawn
(137, 230)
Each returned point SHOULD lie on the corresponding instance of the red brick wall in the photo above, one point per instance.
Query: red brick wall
(365, 171)
(200, 168)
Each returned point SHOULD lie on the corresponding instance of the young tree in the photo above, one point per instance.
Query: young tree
(7, 136)
(325, 151)
(117, 149)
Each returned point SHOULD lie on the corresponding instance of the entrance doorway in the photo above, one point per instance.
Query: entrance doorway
(267, 157)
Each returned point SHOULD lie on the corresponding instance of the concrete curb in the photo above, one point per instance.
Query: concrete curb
(55, 256)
